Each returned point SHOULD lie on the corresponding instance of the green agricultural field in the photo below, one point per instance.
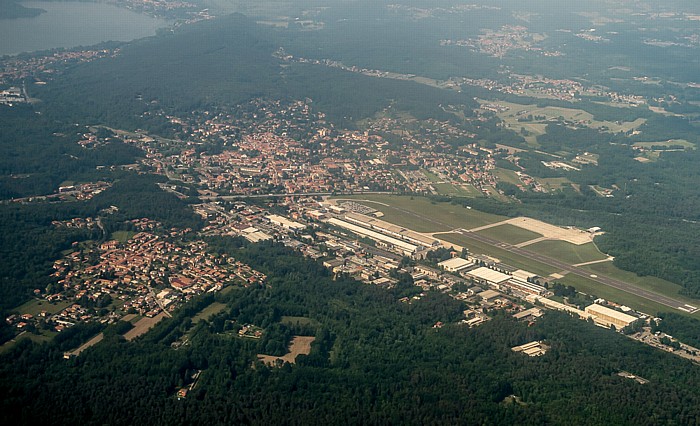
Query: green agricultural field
(132, 318)
(446, 188)
(456, 190)
(431, 176)
(567, 252)
(535, 128)
(614, 127)
(504, 256)
(507, 176)
(208, 312)
(493, 193)
(43, 337)
(671, 142)
(648, 157)
(554, 184)
(34, 307)
(122, 236)
(510, 233)
(422, 215)
(302, 321)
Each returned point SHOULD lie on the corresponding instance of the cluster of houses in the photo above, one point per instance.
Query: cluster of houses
(148, 274)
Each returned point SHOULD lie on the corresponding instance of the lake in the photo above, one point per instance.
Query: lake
(71, 24)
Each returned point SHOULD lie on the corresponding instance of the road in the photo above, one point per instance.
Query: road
(293, 194)
(565, 267)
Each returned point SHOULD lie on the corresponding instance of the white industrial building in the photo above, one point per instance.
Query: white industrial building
(607, 317)
(524, 275)
(285, 223)
(525, 287)
(400, 246)
(553, 304)
(456, 264)
(391, 229)
(531, 349)
(488, 276)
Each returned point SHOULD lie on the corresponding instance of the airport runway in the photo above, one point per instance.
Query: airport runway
(565, 267)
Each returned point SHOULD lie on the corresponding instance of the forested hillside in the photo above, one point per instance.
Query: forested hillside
(225, 61)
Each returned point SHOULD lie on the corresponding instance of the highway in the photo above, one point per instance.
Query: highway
(565, 267)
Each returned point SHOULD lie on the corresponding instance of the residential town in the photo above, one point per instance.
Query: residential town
(154, 271)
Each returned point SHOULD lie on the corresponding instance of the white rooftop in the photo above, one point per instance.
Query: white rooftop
(489, 275)
(455, 264)
(604, 310)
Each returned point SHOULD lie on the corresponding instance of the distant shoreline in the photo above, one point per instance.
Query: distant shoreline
(10, 9)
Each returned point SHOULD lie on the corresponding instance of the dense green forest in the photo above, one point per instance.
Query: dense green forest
(39, 154)
(687, 330)
(224, 61)
(374, 360)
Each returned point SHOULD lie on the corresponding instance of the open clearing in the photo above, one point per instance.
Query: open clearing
(142, 326)
(35, 307)
(95, 340)
(507, 176)
(537, 127)
(456, 190)
(553, 184)
(510, 233)
(301, 345)
(669, 143)
(44, 337)
(432, 177)
(446, 188)
(208, 312)
(122, 236)
(568, 252)
(300, 321)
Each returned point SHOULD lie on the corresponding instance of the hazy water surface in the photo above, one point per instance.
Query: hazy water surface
(70, 24)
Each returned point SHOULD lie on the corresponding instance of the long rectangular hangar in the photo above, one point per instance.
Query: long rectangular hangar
(404, 247)
(607, 317)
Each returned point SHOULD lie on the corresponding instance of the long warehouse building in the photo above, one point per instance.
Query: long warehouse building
(402, 246)
(391, 229)
(607, 317)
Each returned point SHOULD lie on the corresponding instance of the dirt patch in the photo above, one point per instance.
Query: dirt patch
(95, 340)
(571, 235)
(301, 345)
(143, 326)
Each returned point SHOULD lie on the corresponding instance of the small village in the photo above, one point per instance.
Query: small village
(153, 272)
